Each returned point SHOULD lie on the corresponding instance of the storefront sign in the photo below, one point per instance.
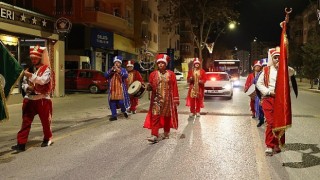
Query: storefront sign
(101, 39)
(63, 25)
(26, 18)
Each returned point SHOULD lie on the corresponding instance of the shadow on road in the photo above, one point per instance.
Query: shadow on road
(309, 155)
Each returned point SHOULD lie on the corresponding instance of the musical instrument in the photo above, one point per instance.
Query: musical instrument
(137, 89)
(252, 91)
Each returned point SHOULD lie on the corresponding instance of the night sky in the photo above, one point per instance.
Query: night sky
(261, 19)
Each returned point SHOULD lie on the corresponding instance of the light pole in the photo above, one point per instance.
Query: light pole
(146, 60)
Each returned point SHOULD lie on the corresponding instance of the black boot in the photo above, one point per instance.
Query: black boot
(125, 114)
(113, 118)
(19, 147)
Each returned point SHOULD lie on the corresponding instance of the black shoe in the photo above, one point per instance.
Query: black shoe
(46, 143)
(259, 124)
(125, 114)
(113, 118)
(19, 147)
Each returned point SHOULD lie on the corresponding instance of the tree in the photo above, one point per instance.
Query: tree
(208, 18)
(311, 61)
(295, 58)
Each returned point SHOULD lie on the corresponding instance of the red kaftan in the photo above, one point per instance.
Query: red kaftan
(163, 108)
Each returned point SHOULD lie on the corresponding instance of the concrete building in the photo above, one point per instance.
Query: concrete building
(100, 29)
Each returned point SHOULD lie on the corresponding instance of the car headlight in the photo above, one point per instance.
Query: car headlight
(236, 83)
(227, 87)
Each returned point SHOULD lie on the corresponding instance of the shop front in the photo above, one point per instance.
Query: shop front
(102, 46)
(20, 29)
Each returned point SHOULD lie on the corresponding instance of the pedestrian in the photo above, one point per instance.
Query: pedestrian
(196, 79)
(133, 75)
(257, 99)
(38, 84)
(249, 82)
(266, 85)
(118, 91)
(164, 100)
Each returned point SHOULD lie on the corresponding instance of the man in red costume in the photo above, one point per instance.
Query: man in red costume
(133, 75)
(250, 79)
(196, 79)
(38, 83)
(164, 100)
(266, 84)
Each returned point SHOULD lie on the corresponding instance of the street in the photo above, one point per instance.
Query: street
(224, 143)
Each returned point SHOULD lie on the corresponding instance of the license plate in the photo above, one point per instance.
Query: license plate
(213, 91)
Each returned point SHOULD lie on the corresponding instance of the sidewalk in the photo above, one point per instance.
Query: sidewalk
(305, 85)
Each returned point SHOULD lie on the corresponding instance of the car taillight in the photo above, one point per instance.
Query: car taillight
(213, 79)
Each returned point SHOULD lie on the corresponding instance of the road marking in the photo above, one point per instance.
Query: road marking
(262, 165)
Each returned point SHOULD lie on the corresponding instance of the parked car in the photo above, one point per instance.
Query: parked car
(179, 76)
(218, 84)
(85, 80)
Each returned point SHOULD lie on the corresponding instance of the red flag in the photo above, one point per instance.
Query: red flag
(282, 104)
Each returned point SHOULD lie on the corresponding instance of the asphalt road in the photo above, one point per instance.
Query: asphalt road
(224, 143)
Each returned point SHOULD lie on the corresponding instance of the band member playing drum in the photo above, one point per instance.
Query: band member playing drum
(133, 75)
(256, 69)
(196, 79)
(164, 100)
(118, 91)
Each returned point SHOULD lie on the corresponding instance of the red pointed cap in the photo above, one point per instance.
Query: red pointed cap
(130, 63)
(196, 61)
(163, 58)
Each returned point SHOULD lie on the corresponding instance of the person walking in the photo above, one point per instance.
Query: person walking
(38, 84)
(266, 85)
(249, 82)
(133, 75)
(196, 79)
(118, 91)
(164, 100)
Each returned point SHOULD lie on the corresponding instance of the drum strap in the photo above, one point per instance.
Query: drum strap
(266, 71)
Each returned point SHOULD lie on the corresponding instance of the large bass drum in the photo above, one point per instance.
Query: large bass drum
(251, 91)
(137, 89)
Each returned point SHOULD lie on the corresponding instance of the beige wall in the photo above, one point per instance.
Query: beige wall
(59, 69)
(124, 44)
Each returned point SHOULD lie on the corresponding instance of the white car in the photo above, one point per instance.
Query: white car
(179, 76)
(218, 84)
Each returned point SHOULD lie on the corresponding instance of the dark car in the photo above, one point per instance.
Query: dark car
(84, 80)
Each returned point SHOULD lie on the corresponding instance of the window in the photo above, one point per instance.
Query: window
(116, 11)
(155, 38)
(59, 6)
(155, 18)
(149, 36)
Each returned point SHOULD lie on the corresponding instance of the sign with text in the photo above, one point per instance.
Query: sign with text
(101, 39)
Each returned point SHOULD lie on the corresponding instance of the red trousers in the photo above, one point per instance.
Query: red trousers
(134, 103)
(252, 109)
(156, 125)
(271, 140)
(30, 108)
(194, 105)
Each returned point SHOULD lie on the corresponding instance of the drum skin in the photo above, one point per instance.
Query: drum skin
(251, 91)
(137, 89)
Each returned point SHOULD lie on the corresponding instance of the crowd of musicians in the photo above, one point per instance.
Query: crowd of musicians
(126, 87)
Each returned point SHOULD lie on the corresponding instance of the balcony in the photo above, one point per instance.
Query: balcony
(110, 22)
